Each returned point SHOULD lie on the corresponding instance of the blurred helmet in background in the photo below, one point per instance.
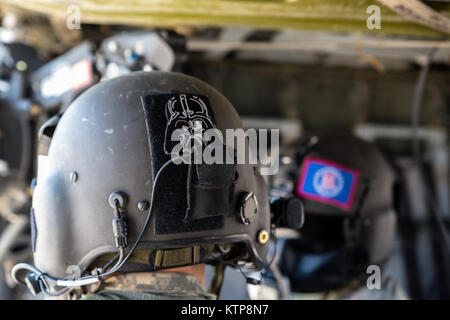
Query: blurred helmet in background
(347, 189)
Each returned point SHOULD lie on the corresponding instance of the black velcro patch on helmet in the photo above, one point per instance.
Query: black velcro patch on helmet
(181, 203)
(33, 230)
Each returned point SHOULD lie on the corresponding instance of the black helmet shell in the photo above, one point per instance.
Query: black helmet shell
(112, 139)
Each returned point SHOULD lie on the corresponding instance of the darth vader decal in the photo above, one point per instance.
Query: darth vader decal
(176, 121)
(187, 118)
(181, 119)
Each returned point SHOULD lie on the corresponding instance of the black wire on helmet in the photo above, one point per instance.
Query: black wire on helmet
(149, 214)
(43, 278)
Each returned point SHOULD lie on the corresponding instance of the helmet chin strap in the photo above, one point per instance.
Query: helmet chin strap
(38, 281)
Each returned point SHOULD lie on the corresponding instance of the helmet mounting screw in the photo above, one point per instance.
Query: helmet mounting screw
(263, 236)
(73, 176)
(143, 205)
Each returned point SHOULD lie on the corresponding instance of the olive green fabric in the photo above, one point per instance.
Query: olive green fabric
(151, 286)
(330, 15)
(131, 295)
